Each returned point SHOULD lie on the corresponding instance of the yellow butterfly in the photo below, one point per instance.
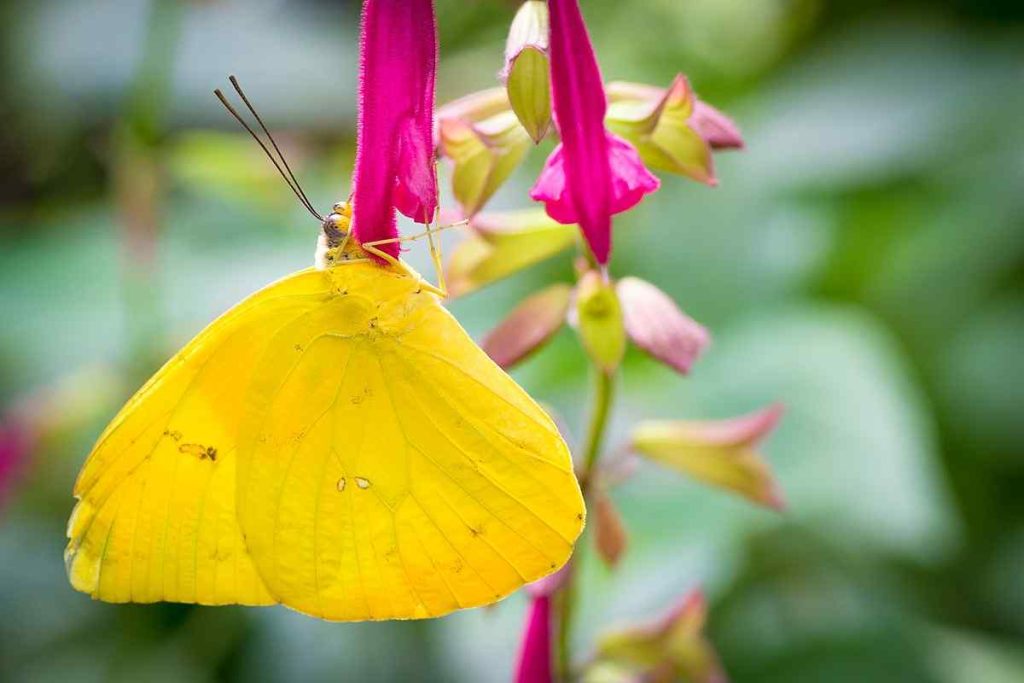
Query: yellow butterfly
(335, 443)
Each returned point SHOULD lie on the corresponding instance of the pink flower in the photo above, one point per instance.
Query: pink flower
(534, 665)
(16, 442)
(630, 182)
(394, 158)
(592, 174)
(535, 652)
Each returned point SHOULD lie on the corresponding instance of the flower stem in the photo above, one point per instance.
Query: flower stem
(604, 390)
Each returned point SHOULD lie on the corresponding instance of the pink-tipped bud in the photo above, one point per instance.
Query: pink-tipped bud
(671, 129)
(534, 665)
(529, 326)
(722, 453)
(669, 648)
(484, 154)
(717, 129)
(610, 535)
(655, 324)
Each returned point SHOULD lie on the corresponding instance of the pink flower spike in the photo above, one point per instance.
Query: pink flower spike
(394, 157)
(590, 175)
(535, 652)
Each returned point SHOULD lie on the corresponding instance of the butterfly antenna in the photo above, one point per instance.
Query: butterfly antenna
(288, 176)
(238, 89)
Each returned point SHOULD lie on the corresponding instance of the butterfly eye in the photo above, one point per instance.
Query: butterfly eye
(335, 227)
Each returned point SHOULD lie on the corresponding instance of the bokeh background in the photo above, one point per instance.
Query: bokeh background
(861, 262)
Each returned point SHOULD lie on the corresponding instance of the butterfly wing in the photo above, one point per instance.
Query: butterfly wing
(336, 443)
(155, 518)
(397, 472)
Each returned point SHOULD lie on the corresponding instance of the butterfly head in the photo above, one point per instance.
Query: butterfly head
(335, 243)
(337, 225)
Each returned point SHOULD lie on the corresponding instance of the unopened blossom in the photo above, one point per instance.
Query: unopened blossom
(671, 129)
(655, 324)
(672, 647)
(526, 73)
(529, 326)
(722, 453)
(598, 320)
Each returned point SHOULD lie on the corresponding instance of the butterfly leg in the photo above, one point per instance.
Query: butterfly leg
(435, 254)
(371, 249)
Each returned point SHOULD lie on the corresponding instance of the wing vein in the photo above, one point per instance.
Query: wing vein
(477, 380)
(496, 485)
(465, 561)
(295, 453)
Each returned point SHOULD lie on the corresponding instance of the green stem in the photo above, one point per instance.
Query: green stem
(604, 390)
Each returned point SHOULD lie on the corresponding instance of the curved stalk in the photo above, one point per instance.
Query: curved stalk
(604, 390)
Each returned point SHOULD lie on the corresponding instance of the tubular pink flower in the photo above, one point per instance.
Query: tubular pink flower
(535, 652)
(394, 157)
(592, 174)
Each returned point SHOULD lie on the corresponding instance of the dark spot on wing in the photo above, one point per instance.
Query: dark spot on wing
(199, 450)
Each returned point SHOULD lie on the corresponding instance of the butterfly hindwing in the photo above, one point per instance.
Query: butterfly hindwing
(396, 471)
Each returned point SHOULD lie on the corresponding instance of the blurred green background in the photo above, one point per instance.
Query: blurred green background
(862, 261)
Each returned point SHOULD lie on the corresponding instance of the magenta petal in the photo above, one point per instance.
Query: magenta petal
(550, 189)
(535, 652)
(630, 178)
(580, 105)
(394, 158)
(416, 189)
(630, 181)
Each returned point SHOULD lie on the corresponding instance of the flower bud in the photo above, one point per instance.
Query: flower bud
(485, 153)
(670, 648)
(670, 129)
(610, 535)
(530, 325)
(527, 74)
(720, 452)
(655, 324)
(598, 319)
